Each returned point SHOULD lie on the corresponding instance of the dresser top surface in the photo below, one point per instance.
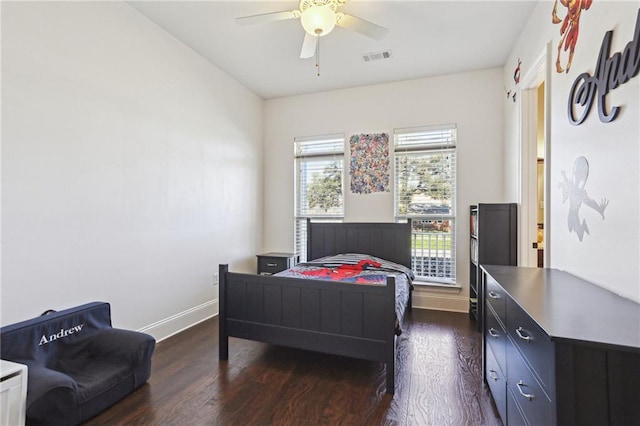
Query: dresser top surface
(569, 308)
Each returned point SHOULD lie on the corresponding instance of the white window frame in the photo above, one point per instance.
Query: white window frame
(323, 148)
(436, 265)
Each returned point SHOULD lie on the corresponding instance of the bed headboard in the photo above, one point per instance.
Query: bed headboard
(389, 241)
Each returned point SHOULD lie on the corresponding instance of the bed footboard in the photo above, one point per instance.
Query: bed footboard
(354, 320)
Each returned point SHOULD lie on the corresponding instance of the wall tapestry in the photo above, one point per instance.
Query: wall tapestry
(570, 28)
(369, 164)
(611, 71)
(573, 190)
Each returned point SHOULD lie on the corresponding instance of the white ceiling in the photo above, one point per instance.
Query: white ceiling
(426, 38)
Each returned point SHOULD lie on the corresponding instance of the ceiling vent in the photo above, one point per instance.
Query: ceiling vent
(376, 56)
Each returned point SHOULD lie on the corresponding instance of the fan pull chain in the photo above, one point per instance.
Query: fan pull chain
(317, 56)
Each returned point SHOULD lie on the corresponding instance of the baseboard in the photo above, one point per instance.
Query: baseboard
(174, 324)
(440, 302)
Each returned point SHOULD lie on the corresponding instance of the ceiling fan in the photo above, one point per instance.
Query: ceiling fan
(318, 18)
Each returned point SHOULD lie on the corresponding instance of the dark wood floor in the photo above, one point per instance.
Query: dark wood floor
(437, 382)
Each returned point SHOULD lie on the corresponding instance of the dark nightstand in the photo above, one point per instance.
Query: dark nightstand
(271, 263)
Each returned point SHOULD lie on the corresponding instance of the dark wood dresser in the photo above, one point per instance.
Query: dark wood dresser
(558, 350)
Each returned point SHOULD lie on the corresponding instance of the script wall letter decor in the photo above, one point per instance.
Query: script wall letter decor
(610, 73)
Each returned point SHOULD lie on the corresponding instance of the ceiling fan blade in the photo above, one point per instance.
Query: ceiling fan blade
(268, 17)
(308, 46)
(361, 26)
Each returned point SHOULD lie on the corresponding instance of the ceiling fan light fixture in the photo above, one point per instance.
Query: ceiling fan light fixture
(318, 20)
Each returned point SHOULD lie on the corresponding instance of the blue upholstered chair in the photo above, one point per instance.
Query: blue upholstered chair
(78, 365)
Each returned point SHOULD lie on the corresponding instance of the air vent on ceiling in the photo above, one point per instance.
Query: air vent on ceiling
(376, 56)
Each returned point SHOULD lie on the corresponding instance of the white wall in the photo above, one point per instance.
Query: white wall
(130, 167)
(610, 255)
(474, 101)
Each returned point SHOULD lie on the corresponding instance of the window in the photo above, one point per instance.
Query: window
(425, 192)
(319, 183)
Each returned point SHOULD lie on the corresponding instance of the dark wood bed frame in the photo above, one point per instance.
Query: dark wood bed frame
(340, 318)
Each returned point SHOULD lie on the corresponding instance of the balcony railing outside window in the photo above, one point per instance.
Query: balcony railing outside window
(431, 255)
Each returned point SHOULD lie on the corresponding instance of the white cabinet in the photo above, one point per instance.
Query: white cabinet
(13, 393)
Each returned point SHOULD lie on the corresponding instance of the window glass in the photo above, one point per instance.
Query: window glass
(319, 183)
(425, 192)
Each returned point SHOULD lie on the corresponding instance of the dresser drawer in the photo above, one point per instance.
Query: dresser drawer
(536, 406)
(514, 412)
(497, 383)
(536, 348)
(496, 337)
(495, 297)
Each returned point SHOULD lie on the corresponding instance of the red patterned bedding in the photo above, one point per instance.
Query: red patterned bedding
(360, 269)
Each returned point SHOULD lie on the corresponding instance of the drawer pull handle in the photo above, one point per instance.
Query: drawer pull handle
(519, 331)
(272, 265)
(495, 378)
(493, 332)
(494, 295)
(522, 384)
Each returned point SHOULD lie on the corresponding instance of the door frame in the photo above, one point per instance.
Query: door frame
(527, 168)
